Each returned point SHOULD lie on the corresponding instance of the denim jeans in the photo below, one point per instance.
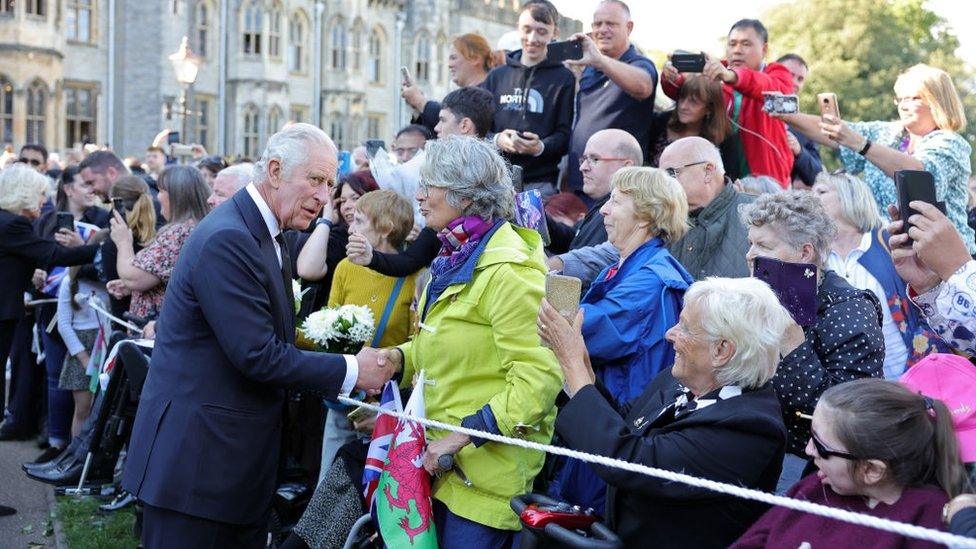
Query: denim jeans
(60, 403)
(793, 467)
(454, 531)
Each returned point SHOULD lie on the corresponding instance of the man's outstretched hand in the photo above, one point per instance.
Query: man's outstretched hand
(374, 370)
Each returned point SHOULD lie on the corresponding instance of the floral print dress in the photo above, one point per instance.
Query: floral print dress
(944, 154)
(159, 258)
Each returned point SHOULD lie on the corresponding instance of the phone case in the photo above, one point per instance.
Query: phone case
(915, 185)
(563, 293)
(66, 221)
(828, 104)
(795, 284)
(563, 51)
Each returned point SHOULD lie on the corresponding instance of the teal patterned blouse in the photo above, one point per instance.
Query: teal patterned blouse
(945, 154)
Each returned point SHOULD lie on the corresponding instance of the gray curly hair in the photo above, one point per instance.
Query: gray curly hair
(799, 218)
(470, 169)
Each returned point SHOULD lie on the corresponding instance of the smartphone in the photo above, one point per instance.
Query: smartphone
(118, 204)
(173, 137)
(563, 293)
(66, 220)
(795, 284)
(828, 104)
(685, 61)
(517, 183)
(374, 145)
(779, 103)
(915, 185)
(405, 76)
(558, 52)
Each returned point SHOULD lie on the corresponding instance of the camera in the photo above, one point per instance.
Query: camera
(780, 103)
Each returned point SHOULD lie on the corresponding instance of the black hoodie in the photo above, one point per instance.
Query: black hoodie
(536, 99)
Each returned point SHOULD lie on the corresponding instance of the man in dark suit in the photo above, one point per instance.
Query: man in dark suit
(204, 451)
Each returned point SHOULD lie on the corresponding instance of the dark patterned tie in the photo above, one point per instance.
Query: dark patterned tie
(286, 275)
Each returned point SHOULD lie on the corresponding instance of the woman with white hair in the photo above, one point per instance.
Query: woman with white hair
(926, 136)
(846, 341)
(476, 344)
(22, 193)
(859, 254)
(713, 414)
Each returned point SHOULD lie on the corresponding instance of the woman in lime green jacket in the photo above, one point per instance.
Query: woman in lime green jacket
(477, 342)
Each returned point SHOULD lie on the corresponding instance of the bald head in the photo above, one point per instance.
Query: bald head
(606, 152)
(699, 169)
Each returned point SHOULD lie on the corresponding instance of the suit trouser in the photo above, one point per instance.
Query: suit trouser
(164, 528)
(27, 402)
(7, 328)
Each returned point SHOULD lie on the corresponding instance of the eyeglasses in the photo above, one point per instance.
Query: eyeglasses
(673, 172)
(914, 99)
(595, 160)
(825, 452)
(32, 161)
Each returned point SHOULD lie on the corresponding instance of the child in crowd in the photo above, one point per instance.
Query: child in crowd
(385, 219)
(78, 324)
(881, 450)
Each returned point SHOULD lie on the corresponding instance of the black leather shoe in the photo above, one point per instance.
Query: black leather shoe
(62, 457)
(49, 454)
(68, 473)
(5, 511)
(12, 433)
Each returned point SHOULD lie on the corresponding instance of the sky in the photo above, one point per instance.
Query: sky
(699, 25)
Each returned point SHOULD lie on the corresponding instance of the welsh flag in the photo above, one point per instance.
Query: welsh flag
(403, 507)
(379, 446)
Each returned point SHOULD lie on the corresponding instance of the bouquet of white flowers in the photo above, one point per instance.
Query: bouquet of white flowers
(342, 330)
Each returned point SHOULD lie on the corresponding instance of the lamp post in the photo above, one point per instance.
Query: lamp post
(186, 64)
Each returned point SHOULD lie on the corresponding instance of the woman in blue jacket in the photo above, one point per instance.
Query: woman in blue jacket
(633, 303)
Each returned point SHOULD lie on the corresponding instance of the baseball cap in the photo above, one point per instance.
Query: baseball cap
(951, 379)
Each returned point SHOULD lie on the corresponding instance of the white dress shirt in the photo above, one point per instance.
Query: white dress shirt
(896, 354)
(352, 365)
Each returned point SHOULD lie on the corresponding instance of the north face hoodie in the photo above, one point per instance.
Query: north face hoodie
(536, 99)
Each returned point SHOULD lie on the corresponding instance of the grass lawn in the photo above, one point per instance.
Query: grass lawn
(84, 526)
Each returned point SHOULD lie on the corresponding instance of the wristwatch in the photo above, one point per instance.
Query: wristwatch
(324, 221)
(867, 146)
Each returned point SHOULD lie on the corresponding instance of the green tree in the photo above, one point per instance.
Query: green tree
(857, 48)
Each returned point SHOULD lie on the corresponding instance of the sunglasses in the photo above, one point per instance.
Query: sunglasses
(32, 161)
(825, 451)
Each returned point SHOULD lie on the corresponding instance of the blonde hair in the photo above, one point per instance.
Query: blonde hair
(389, 213)
(21, 188)
(936, 88)
(141, 214)
(658, 199)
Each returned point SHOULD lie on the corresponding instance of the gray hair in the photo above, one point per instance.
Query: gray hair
(798, 217)
(759, 185)
(756, 336)
(470, 169)
(857, 203)
(21, 188)
(290, 146)
(242, 173)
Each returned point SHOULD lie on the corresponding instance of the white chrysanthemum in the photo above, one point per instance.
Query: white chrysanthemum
(363, 315)
(320, 326)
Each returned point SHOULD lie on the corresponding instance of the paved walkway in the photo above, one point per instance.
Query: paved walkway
(33, 500)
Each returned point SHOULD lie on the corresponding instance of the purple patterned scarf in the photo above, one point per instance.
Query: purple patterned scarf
(459, 240)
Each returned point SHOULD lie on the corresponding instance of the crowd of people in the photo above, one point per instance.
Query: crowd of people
(682, 355)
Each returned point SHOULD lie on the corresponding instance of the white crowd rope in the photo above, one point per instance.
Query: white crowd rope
(907, 530)
(96, 304)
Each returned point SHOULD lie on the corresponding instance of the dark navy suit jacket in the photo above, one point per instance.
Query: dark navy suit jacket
(208, 430)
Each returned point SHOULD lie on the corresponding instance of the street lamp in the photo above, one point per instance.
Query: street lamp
(186, 64)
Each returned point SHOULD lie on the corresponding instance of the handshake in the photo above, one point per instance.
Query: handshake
(376, 367)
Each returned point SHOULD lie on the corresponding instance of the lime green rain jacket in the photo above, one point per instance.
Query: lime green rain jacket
(478, 345)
